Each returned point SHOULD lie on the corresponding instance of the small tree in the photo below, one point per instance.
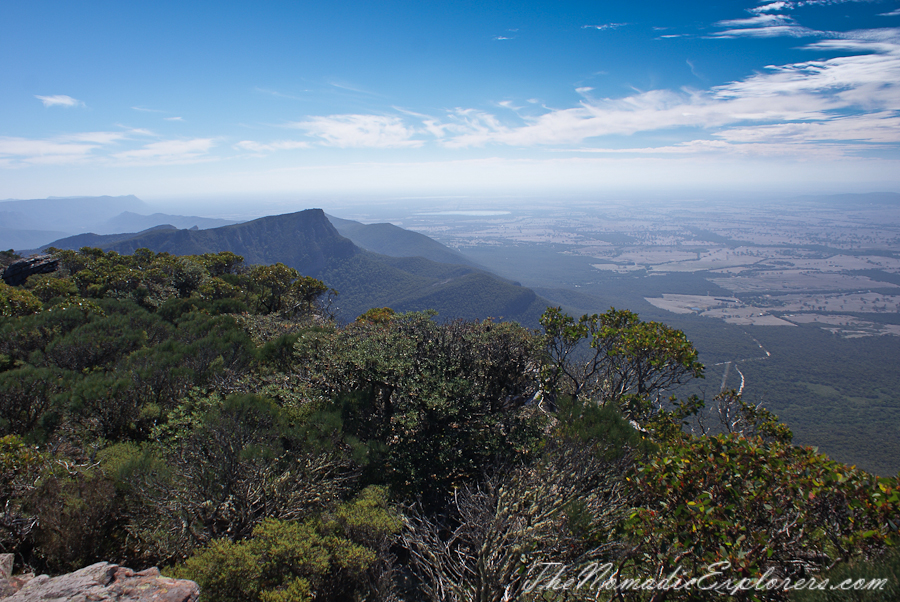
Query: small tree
(624, 357)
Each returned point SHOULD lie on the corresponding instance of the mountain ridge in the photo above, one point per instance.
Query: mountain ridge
(393, 241)
(310, 243)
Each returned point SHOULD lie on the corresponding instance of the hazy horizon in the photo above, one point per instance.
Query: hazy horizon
(170, 101)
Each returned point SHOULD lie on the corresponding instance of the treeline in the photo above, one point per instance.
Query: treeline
(211, 417)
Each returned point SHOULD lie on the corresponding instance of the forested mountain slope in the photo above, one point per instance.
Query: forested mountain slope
(391, 240)
(307, 241)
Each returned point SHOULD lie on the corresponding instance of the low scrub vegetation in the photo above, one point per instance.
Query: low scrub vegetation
(213, 418)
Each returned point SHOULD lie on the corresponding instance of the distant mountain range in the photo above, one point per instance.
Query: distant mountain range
(29, 224)
(409, 271)
(391, 240)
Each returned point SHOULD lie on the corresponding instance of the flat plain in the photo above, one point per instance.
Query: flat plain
(796, 302)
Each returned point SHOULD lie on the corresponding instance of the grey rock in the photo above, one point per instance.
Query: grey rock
(6, 566)
(101, 582)
(18, 272)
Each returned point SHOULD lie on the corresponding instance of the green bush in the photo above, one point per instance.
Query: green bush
(322, 558)
(17, 302)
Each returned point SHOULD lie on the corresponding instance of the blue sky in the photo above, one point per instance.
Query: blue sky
(169, 99)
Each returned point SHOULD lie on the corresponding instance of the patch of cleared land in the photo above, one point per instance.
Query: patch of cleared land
(855, 302)
(730, 309)
(846, 326)
(797, 280)
(735, 311)
(801, 257)
(615, 267)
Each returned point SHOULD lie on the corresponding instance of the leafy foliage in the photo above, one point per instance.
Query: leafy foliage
(16, 302)
(628, 359)
(194, 411)
(327, 557)
(444, 400)
(757, 506)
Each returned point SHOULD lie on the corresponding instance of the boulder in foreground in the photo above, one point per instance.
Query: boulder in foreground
(100, 582)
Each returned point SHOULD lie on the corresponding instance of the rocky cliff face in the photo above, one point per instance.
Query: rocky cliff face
(101, 582)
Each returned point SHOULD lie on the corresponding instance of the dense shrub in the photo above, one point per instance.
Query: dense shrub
(333, 556)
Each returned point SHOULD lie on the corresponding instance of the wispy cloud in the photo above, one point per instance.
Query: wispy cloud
(59, 100)
(277, 94)
(605, 26)
(771, 7)
(146, 110)
(259, 147)
(773, 31)
(762, 20)
(693, 68)
(167, 152)
(767, 21)
(893, 13)
(835, 106)
(881, 127)
(101, 148)
(844, 103)
(789, 4)
(765, 25)
(102, 138)
(348, 87)
(23, 151)
(356, 131)
(71, 148)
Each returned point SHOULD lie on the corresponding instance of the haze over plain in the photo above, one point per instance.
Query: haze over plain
(307, 100)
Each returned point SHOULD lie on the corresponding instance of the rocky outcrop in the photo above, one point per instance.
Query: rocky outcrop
(101, 582)
(18, 272)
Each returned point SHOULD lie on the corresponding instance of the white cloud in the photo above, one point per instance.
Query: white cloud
(70, 148)
(692, 67)
(277, 94)
(258, 147)
(722, 148)
(847, 101)
(173, 118)
(101, 148)
(358, 131)
(22, 151)
(893, 13)
(774, 31)
(828, 107)
(59, 100)
(100, 138)
(605, 26)
(765, 24)
(789, 4)
(772, 6)
(167, 152)
(762, 20)
(879, 128)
